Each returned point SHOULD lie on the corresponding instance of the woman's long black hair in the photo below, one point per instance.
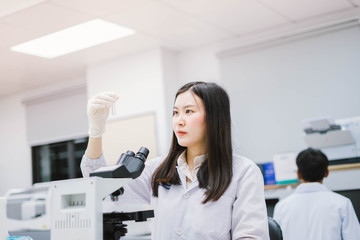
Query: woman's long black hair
(215, 173)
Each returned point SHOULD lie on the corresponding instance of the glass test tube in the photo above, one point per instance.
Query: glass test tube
(113, 109)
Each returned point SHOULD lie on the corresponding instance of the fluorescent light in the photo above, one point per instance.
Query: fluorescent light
(73, 39)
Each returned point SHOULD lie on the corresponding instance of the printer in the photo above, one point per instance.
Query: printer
(338, 139)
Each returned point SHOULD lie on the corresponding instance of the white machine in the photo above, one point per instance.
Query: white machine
(77, 204)
(339, 139)
(28, 209)
(77, 211)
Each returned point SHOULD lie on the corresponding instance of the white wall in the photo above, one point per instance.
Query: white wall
(273, 88)
(201, 64)
(58, 115)
(171, 83)
(15, 163)
(15, 150)
(138, 79)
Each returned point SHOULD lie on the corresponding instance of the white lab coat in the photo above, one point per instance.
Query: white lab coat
(315, 213)
(179, 214)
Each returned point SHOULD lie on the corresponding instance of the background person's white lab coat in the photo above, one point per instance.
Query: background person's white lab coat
(315, 213)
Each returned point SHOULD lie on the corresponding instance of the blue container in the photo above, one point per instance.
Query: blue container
(18, 238)
(269, 174)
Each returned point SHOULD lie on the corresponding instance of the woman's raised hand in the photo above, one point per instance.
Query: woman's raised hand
(98, 110)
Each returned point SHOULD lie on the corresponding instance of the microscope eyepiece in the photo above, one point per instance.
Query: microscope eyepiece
(130, 165)
(142, 153)
(130, 153)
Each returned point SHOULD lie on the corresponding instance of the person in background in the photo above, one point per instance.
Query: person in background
(200, 190)
(313, 212)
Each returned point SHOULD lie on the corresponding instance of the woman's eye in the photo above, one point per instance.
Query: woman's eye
(189, 111)
(175, 112)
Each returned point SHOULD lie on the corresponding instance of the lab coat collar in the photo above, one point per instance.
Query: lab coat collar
(184, 171)
(193, 184)
(311, 187)
(182, 177)
(198, 160)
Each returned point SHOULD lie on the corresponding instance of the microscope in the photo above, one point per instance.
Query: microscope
(77, 211)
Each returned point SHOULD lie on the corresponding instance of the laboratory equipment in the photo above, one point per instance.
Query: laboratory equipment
(285, 168)
(28, 208)
(19, 238)
(129, 165)
(3, 226)
(77, 204)
(269, 173)
(338, 139)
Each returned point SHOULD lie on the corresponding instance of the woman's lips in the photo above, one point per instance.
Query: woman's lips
(181, 133)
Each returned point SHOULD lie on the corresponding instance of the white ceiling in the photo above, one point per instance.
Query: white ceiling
(176, 24)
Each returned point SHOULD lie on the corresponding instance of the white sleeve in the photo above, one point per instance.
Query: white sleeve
(277, 212)
(350, 225)
(89, 165)
(249, 220)
(139, 190)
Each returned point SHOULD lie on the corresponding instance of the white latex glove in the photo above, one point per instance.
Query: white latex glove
(98, 110)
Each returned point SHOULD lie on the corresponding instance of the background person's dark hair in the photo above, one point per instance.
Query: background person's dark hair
(312, 164)
(215, 173)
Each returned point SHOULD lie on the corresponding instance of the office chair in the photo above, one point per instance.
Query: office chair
(274, 230)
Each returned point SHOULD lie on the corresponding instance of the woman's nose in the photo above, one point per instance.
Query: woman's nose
(181, 121)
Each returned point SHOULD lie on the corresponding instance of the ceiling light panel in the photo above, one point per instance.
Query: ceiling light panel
(75, 38)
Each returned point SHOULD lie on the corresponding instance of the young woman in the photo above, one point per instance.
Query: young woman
(200, 190)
